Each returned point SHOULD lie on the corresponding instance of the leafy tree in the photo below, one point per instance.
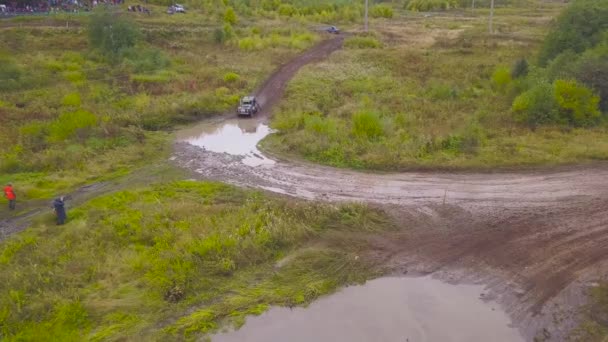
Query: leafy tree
(592, 70)
(578, 28)
(112, 33)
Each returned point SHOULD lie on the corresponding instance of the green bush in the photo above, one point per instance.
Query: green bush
(578, 105)
(536, 106)
(592, 70)
(362, 43)
(520, 68)
(231, 77)
(287, 10)
(71, 100)
(142, 60)
(10, 74)
(578, 28)
(228, 32)
(218, 36)
(33, 135)
(501, 78)
(230, 16)
(68, 123)
(381, 11)
(111, 33)
(368, 125)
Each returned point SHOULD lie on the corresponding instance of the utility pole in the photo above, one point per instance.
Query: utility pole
(366, 5)
(491, 15)
(473, 5)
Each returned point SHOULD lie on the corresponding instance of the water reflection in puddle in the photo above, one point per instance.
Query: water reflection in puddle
(237, 137)
(385, 309)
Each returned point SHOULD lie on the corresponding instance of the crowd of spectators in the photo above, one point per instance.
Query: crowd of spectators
(52, 6)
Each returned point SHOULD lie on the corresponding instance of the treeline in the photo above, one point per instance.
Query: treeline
(569, 83)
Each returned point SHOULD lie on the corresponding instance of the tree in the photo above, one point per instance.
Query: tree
(578, 28)
(111, 33)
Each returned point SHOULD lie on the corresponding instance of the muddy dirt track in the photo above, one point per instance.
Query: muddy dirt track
(538, 239)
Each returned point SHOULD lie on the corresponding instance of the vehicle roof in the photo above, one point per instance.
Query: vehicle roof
(248, 98)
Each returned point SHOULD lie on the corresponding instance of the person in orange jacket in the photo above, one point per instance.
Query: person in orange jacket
(9, 193)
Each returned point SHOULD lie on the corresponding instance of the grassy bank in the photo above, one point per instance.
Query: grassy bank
(176, 260)
(430, 92)
(76, 107)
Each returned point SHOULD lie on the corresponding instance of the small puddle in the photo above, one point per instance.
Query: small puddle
(238, 137)
(386, 309)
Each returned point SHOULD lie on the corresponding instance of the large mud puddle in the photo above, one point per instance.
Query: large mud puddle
(237, 137)
(386, 309)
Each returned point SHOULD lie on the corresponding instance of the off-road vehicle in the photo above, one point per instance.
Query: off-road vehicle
(248, 106)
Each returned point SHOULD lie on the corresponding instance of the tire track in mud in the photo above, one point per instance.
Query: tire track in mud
(536, 238)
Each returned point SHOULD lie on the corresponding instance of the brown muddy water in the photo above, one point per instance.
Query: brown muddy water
(238, 137)
(395, 309)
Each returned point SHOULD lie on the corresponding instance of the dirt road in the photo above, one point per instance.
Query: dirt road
(537, 239)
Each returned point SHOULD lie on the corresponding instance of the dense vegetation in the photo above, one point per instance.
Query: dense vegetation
(174, 260)
(92, 100)
(454, 96)
(572, 88)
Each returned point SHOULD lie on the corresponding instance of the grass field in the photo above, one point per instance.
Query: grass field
(421, 92)
(71, 114)
(175, 260)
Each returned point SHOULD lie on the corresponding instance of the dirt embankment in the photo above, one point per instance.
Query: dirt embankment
(535, 238)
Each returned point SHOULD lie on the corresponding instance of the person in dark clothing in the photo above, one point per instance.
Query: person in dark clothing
(9, 193)
(59, 206)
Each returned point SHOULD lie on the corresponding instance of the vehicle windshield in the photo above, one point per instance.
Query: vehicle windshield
(246, 102)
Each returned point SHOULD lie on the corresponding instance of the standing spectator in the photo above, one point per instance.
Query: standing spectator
(59, 206)
(9, 193)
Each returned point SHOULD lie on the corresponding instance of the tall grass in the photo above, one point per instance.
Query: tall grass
(409, 104)
(173, 261)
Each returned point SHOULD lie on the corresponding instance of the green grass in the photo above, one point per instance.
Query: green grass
(595, 316)
(174, 261)
(71, 115)
(429, 97)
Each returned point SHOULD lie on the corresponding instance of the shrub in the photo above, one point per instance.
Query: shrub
(501, 78)
(141, 60)
(32, 135)
(112, 33)
(69, 123)
(228, 32)
(592, 70)
(231, 77)
(230, 16)
(362, 43)
(218, 36)
(578, 28)
(520, 68)
(287, 10)
(10, 74)
(536, 106)
(71, 100)
(368, 125)
(381, 11)
(578, 105)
